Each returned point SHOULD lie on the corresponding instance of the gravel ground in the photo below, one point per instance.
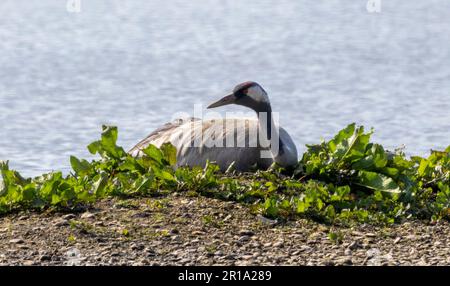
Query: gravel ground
(182, 230)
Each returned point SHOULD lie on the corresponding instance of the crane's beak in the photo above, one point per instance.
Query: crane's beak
(229, 99)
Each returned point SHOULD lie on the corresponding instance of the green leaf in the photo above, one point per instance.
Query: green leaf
(165, 176)
(270, 207)
(56, 199)
(94, 147)
(349, 145)
(422, 167)
(68, 195)
(106, 147)
(379, 155)
(108, 141)
(285, 204)
(80, 167)
(154, 153)
(170, 153)
(99, 185)
(378, 182)
(144, 186)
(391, 172)
(302, 206)
(29, 193)
(341, 137)
(330, 212)
(448, 149)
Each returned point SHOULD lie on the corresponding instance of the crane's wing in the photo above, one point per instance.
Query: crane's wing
(198, 141)
(162, 134)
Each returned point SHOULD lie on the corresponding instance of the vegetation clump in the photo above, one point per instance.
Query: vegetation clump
(347, 179)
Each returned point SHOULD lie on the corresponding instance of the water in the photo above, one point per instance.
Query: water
(134, 63)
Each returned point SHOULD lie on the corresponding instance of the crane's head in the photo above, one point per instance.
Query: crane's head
(248, 93)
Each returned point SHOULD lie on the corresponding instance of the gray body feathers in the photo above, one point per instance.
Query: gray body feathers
(222, 141)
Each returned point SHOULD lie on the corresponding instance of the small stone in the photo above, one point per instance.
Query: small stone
(265, 220)
(135, 246)
(87, 215)
(256, 245)
(244, 238)
(279, 244)
(61, 222)
(229, 257)
(348, 252)
(17, 241)
(73, 252)
(368, 241)
(345, 261)
(296, 252)
(397, 240)
(357, 233)
(373, 252)
(150, 253)
(227, 218)
(136, 264)
(305, 248)
(246, 232)
(354, 245)
(68, 216)
(141, 214)
(256, 254)
(45, 258)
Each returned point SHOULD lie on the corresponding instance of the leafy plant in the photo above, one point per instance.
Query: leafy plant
(347, 179)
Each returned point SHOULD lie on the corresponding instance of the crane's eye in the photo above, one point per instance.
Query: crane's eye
(241, 93)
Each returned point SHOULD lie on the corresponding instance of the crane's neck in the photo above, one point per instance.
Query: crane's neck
(269, 138)
(267, 126)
